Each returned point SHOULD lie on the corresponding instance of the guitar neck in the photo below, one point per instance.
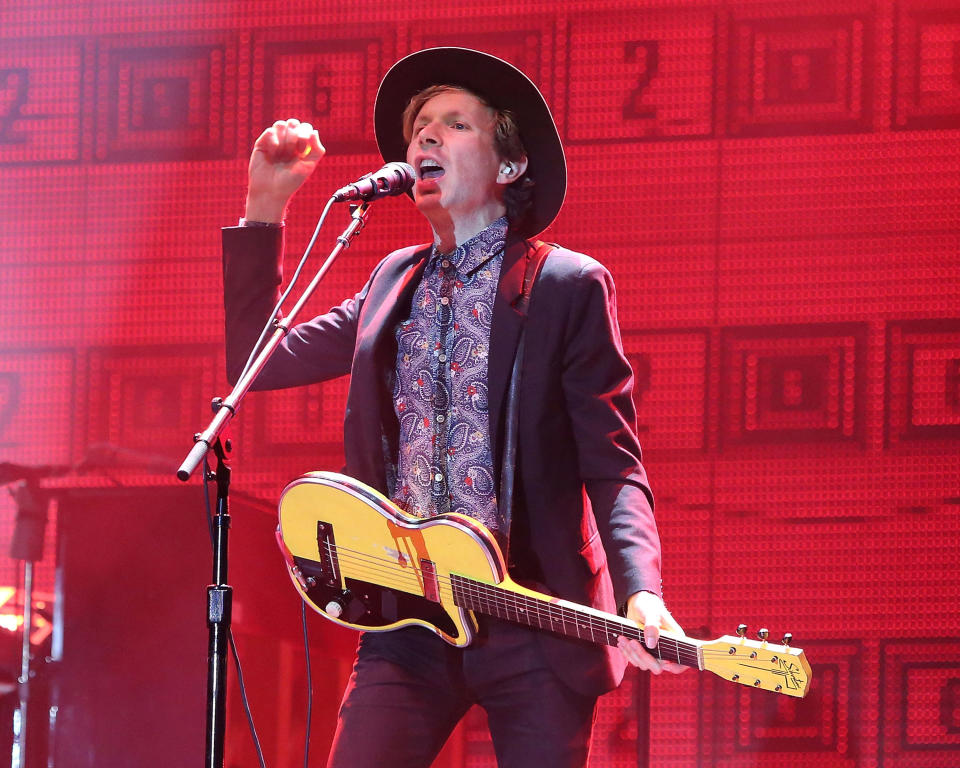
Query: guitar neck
(568, 619)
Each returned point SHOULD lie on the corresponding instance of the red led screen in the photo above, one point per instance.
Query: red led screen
(776, 190)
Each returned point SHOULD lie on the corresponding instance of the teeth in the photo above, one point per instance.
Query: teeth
(430, 168)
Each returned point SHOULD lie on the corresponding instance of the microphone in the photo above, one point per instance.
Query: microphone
(392, 179)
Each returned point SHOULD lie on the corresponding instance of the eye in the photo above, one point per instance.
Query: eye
(460, 126)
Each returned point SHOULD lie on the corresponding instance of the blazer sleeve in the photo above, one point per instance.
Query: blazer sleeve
(598, 384)
(315, 350)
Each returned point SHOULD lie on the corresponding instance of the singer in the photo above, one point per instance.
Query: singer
(430, 342)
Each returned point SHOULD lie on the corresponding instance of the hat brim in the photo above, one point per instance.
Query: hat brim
(504, 87)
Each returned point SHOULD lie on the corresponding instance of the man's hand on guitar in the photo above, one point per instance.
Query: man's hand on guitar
(649, 612)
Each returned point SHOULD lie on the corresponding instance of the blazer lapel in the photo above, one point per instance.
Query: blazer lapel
(504, 336)
(393, 304)
(375, 354)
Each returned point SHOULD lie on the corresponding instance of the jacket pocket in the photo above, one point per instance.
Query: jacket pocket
(593, 553)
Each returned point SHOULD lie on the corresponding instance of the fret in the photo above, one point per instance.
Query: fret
(563, 619)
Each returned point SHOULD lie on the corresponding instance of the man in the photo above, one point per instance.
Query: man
(430, 342)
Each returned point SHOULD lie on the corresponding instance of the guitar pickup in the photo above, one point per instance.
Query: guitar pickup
(327, 553)
(431, 588)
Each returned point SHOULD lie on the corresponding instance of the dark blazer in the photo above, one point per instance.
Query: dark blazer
(583, 525)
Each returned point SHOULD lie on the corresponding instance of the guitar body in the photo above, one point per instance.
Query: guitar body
(359, 560)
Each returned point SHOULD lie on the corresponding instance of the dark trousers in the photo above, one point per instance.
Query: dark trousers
(409, 689)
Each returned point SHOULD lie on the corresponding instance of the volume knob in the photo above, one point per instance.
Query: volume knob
(337, 605)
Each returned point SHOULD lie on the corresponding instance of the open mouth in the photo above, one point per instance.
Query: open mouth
(430, 169)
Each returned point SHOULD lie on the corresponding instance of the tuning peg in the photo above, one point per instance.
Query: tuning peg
(742, 630)
(763, 633)
(787, 639)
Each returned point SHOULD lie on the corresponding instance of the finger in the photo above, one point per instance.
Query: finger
(302, 134)
(291, 126)
(664, 620)
(290, 143)
(630, 652)
(651, 632)
(316, 146)
(670, 624)
(634, 654)
(674, 668)
(288, 138)
(267, 140)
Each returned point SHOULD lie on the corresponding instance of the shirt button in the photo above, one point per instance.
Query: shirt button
(445, 263)
(444, 300)
(443, 358)
(438, 477)
(441, 418)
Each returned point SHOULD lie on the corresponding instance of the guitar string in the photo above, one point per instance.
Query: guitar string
(494, 603)
(497, 598)
(413, 582)
(521, 604)
(484, 597)
(610, 629)
(541, 610)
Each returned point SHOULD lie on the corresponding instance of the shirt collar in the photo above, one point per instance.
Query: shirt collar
(477, 251)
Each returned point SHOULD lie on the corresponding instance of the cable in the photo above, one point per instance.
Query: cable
(206, 501)
(233, 645)
(306, 653)
(243, 698)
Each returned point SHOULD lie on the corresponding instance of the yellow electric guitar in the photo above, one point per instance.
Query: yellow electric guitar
(363, 563)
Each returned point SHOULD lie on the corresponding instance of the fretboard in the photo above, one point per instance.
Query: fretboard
(562, 618)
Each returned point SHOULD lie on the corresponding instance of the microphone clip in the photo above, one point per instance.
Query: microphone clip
(393, 179)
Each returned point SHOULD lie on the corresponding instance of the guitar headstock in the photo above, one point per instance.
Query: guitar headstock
(758, 664)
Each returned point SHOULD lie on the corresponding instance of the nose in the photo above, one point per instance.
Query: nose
(428, 135)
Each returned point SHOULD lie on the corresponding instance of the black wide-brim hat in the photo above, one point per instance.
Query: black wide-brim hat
(504, 87)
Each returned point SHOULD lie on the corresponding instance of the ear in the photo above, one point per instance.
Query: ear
(511, 170)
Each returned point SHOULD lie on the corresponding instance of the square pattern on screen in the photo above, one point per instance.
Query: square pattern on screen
(775, 188)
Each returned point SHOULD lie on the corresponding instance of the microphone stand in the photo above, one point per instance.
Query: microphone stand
(220, 593)
(27, 546)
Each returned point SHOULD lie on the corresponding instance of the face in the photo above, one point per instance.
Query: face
(459, 172)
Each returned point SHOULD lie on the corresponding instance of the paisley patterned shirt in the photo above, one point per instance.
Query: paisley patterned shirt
(440, 390)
